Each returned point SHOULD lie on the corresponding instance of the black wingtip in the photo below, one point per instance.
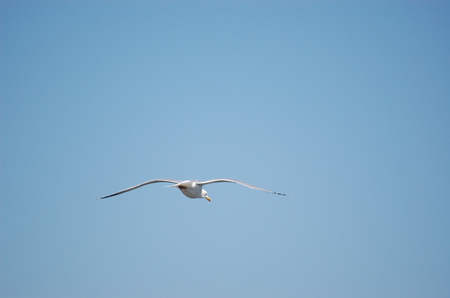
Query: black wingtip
(282, 194)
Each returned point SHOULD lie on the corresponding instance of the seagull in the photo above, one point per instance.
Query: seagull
(191, 188)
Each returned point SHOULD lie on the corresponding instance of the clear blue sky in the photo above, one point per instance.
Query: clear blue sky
(346, 106)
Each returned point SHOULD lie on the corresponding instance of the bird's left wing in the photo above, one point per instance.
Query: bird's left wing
(241, 183)
(140, 185)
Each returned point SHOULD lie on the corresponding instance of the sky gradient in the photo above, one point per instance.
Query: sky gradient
(345, 106)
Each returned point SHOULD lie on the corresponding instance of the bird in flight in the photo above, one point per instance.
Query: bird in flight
(191, 188)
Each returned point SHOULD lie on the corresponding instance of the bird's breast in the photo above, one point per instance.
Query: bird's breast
(191, 192)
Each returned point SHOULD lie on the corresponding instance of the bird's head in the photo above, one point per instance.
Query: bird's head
(205, 195)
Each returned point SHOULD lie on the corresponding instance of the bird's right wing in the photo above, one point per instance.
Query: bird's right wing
(241, 183)
(140, 185)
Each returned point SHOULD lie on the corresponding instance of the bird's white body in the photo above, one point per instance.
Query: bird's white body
(192, 188)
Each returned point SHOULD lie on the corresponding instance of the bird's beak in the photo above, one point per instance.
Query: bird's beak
(208, 198)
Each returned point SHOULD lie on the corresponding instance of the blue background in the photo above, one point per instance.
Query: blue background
(345, 106)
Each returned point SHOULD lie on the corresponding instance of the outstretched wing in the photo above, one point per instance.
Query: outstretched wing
(140, 185)
(241, 183)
